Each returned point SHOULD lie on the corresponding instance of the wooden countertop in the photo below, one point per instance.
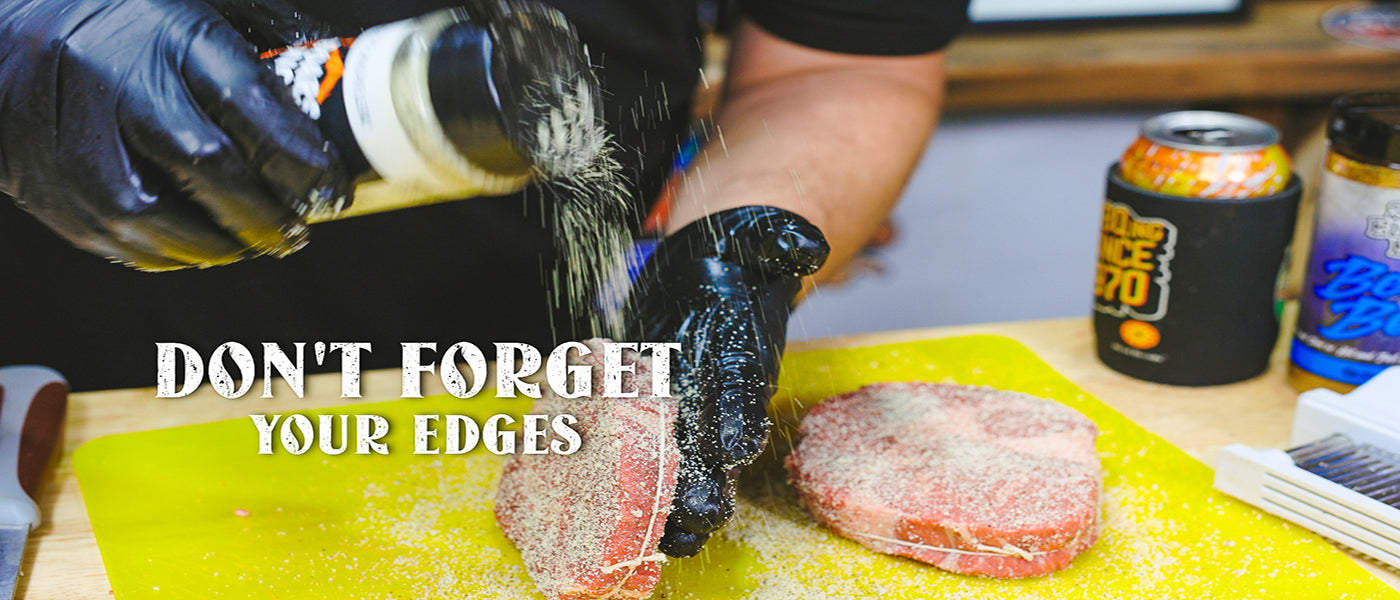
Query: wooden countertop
(63, 563)
(1279, 53)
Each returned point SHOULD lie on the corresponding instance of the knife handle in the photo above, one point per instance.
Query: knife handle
(33, 404)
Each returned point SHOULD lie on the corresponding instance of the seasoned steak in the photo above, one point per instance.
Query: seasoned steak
(587, 524)
(969, 479)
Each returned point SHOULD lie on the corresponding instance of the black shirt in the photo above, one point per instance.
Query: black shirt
(471, 270)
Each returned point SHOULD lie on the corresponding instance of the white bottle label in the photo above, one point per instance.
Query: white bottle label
(369, 104)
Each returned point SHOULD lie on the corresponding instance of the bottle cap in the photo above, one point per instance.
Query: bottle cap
(514, 91)
(465, 99)
(1366, 126)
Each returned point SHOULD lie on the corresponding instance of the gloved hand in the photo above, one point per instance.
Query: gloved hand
(148, 132)
(723, 287)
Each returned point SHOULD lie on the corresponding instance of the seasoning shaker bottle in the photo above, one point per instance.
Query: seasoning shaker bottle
(1349, 309)
(471, 101)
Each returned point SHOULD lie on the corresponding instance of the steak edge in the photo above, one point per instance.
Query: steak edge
(588, 524)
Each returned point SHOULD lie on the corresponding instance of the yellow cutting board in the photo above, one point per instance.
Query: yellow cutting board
(193, 512)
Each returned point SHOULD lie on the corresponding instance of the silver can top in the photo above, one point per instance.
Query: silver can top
(1209, 131)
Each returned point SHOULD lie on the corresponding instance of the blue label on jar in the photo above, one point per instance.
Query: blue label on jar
(1349, 309)
(1361, 292)
(1330, 367)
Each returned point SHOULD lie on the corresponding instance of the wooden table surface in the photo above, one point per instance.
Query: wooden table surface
(1279, 53)
(63, 563)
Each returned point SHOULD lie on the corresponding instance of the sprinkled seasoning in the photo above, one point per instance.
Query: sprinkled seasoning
(588, 524)
(429, 132)
(574, 167)
(592, 212)
(416, 537)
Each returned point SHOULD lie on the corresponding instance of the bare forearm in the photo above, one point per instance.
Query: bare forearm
(833, 143)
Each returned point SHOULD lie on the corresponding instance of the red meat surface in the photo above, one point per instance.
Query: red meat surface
(587, 524)
(969, 479)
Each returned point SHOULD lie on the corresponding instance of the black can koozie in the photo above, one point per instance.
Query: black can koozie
(1186, 287)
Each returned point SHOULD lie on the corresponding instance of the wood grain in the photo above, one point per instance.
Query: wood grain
(1280, 53)
(63, 563)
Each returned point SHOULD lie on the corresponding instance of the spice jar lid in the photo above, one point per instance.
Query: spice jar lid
(514, 90)
(1366, 126)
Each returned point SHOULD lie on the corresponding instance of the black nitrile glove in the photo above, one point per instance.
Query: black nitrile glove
(723, 287)
(147, 131)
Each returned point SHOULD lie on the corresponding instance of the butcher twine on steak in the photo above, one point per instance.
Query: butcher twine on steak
(972, 480)
(588, 524)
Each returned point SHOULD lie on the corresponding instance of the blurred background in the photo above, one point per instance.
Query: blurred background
(1000, 221)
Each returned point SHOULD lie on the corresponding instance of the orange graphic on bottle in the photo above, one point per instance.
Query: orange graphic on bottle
(1140, 335)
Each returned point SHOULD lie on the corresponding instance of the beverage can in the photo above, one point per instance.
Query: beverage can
(1349, 309)
(1207, 154)
(1188, 276)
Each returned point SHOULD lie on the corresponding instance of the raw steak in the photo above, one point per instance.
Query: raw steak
(969, 479)
(587, 524)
